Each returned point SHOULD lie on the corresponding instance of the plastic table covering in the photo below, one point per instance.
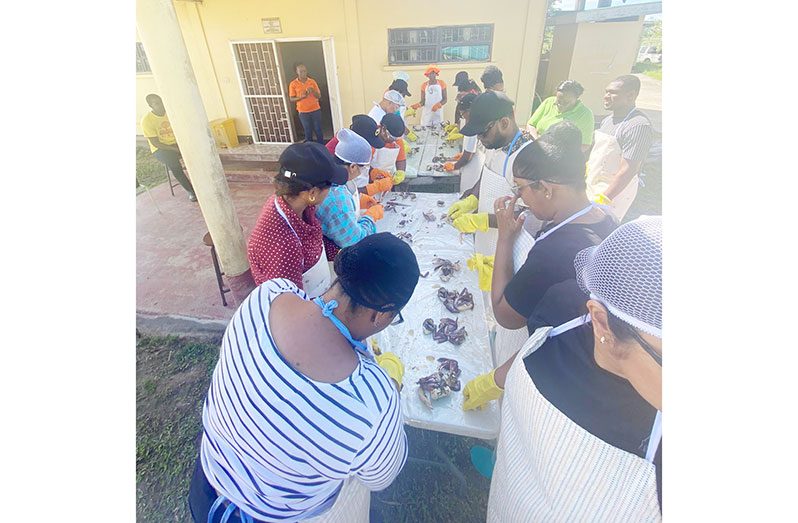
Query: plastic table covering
(418, 351)
(430, 143)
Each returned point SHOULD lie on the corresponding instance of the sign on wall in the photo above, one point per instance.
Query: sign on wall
(271, 25)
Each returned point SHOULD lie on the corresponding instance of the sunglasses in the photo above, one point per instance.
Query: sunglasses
(398, 319)
(516, 189)
(647, 347)
(488, 128)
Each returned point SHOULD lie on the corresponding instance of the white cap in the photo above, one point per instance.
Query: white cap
(352, 148)
(395, 97)
(401, 75)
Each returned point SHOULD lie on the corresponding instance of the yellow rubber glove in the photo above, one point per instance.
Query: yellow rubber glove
(398, 177)
(451, 128)
(411, 135)
(375, 211)
(391, 364)
(406, 147)
(480, 391)
(453, 136)
(471, 222)
(436, 106)
(463, 206)
(601, 199)
(484, 267)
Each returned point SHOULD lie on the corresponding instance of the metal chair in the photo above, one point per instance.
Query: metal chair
(169, 179)
(217, 269)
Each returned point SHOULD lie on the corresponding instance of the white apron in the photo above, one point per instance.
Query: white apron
(385, 159)
(317, 279)
(548, 468)
(433, 95)
(604, 162)
(510, 341)
(469, 174)
(352, 505)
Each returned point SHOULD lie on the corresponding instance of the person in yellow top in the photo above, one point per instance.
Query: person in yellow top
(305, 92)
(158, 131)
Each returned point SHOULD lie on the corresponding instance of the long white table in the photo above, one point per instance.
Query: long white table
(430, 144)
(419, 351)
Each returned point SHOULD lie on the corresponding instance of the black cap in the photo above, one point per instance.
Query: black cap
(466, 101)
(486, 108)
(555, 157)
(401, 86)
(379, 272)
(394, 124)
(311, 163)
(365, 126)
(461, 79)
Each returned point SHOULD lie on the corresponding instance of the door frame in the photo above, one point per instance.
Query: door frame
(328, 50)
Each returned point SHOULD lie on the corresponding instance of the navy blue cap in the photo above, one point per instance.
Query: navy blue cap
(312, 163)
(365, 126)
(394, 124)
(379, 272)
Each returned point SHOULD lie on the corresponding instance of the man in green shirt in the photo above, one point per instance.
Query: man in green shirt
(564, 105)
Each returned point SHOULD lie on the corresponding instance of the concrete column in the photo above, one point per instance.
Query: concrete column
(160, 34)
(530, 59)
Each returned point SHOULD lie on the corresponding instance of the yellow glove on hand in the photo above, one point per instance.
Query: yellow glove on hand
(411, 135)
(410, 111)
(484, 267)
(601, 199)
(480, 391)
(451, 128)
(463, 206)
(453, 136)
(406, 146)
(471, 222)
(391, 364)
(398, 177)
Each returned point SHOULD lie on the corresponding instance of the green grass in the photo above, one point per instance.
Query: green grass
(652, 70)
(149, 171)
(172, 378)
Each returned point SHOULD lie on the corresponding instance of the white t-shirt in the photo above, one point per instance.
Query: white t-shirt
(377, 113)
(470, 144)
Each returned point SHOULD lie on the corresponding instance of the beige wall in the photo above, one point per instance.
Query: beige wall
(593, 55)
(360, 36)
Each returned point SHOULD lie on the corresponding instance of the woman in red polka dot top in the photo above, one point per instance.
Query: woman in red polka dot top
(287, 240)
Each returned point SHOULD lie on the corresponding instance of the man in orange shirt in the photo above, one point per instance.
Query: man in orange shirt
(305, 92)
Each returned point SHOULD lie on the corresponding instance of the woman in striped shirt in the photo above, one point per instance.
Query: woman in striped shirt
(299, 412)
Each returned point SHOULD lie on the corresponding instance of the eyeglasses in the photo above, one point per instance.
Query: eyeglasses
(488, 128)
(516, 189)
(647, 347)
(398, 319)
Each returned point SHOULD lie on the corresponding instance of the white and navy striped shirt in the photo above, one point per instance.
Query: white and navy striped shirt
(634, 133)
(278, 444)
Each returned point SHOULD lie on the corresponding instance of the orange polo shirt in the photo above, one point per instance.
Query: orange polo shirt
(297, 89)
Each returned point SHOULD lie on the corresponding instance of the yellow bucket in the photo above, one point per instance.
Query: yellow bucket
(224, 131)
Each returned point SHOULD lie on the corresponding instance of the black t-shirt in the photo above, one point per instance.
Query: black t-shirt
(551, 261)
(565, 373)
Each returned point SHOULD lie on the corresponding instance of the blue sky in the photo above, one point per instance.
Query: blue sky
(568, 5)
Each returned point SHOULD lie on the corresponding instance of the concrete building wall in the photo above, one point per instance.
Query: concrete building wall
(359, 29)
(592, 54)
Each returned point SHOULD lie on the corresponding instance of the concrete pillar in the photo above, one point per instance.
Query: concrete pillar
(160, 34)
(529, 59)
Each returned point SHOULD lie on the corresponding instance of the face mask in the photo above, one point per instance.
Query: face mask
(364, 170)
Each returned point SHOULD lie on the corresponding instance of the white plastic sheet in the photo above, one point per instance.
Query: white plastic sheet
(420, 352)
(430, 144)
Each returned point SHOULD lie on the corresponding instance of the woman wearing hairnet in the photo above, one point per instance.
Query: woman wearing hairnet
(301, 420)
(581, 415)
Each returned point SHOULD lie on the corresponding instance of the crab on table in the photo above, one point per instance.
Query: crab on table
(440, 383)
(406, 236)
(429, 216)
(446, 327)
(456, 301)
(429, 326)
(446, 267)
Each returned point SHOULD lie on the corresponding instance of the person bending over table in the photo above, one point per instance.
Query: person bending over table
(597, 387)
(363, 125)
(301, 420)
(340, 212)
(389, 163)
(287, 239)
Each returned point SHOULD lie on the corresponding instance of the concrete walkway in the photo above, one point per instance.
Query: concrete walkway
(174, 272)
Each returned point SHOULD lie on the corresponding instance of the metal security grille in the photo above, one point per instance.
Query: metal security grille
(262, 87)
(457, 43)
(142, 65)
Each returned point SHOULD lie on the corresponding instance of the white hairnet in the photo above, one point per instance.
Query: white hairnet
(352, 148)
(401, 75)
(624, 272)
